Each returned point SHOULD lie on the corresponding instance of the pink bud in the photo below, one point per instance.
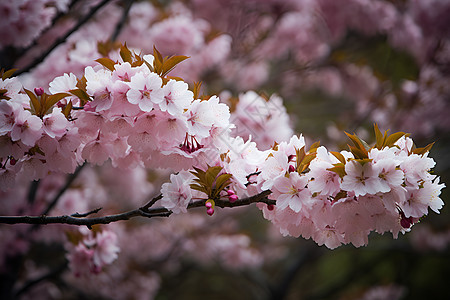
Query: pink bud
(210, 211)
(270, 206)
(39, 91)
(230, 192)
(406, 222)
(12, 161)
(232, 198)
(291, 168)
(208, 204)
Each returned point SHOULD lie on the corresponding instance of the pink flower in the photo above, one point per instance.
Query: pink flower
(145, 91)
(27, 128)
(99, 85)
(177, 97)
(55, 124)
(388, 175)
(8, 112)
(291, 192)
(360, 179)
(106, 248)
(177, 194)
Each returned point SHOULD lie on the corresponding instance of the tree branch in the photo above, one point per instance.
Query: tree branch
(145, 211)
(122, 20)
(62, 39)
(69, 181)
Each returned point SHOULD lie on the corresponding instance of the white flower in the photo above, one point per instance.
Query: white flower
(145, 91)
(360, 179)
(177, 194)
(177, 97)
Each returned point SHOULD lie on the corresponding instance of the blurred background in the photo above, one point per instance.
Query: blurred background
(337, 66)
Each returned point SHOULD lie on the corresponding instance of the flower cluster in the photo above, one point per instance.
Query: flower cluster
(340, 197)
(262, 118)
(36, 138)
(23, 21)
(89, 252)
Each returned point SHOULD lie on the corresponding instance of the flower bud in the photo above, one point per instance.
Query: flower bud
(232, 198)
(291, 168)
(39, 91)
(210, 211)
(208, 204)
(230, 192)
(270, 207)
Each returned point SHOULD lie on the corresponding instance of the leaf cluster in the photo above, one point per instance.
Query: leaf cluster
(163, 65)
(42, 105)
(303, 158)
(210, 182)
(81, 92)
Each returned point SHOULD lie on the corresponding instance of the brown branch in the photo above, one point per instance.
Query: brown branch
(63, 38)
(122, 20)
(144, 211)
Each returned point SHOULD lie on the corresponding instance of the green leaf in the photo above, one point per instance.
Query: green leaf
(198, 188)
(211, 174)
(223, 181)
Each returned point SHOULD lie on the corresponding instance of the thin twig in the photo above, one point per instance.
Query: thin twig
(55, 19)
(122, 20)
(32, 191)
(151, 202)
(78, 215)
(62, 39)
(139, 212)
(32, 282)
(69, 181)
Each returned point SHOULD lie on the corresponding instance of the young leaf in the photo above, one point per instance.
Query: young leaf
(339, 156)
(222, 181)
(107, 63)
(211, 174)
(125, 53)
(171, 62)
(378, 136)
(7, 74)
(338, 169)
(314, 147)
(196, 89)
(390, 141)
(34, 102)
(82, 95)
(67, 109)
(424, 150)
(52, 100)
